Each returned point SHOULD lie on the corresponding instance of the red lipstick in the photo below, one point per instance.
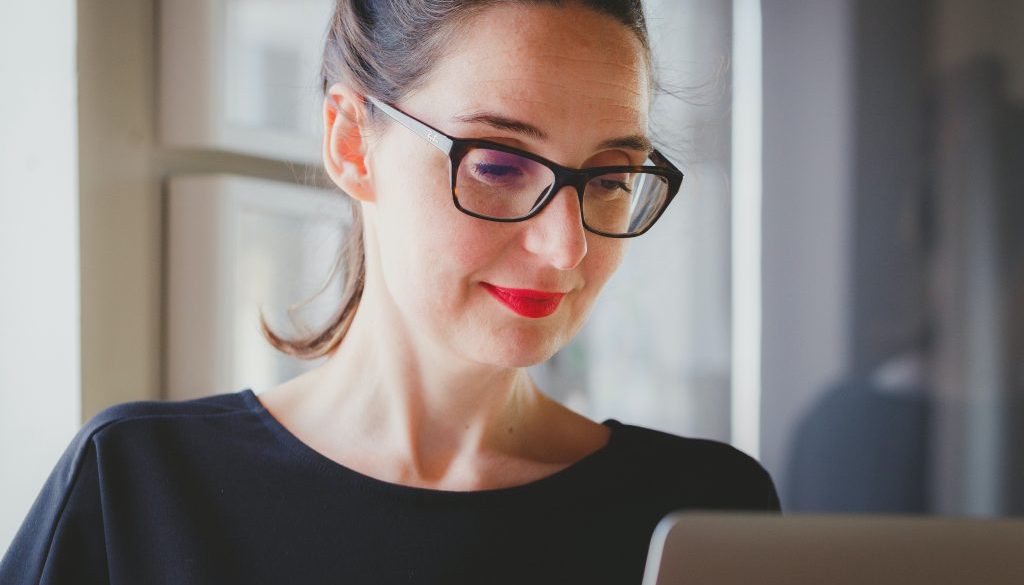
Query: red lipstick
(526, 302)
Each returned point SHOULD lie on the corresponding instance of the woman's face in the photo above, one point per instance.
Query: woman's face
(578, 76)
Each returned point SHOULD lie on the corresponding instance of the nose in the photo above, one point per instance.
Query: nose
(557, 233)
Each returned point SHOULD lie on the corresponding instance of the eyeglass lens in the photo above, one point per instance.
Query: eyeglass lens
(503, 185)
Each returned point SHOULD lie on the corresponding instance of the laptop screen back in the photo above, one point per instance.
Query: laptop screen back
(703, 548)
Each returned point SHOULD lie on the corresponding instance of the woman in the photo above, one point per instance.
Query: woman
(421, 451)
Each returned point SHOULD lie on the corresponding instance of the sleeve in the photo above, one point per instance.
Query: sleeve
(737, 481)
(753, 485)
(61, 541)
(769, 496)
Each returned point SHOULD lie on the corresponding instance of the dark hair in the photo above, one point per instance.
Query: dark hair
(385, 48)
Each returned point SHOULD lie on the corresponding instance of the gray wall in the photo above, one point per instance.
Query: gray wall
(39, 335)
(891, 208)
(808, 145)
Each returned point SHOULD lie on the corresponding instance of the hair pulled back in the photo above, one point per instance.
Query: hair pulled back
(385, 49)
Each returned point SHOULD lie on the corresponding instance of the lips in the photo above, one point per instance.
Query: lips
(526, 302)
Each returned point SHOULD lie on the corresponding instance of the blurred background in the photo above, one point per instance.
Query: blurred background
(837, 290)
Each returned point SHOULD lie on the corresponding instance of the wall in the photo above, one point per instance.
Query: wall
(39, 307)
(961, 31)
(887, 315)
(120, 211)
(976, 58)
(806, 192)
(889, 199)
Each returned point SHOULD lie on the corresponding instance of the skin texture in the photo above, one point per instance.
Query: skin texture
(428, 388)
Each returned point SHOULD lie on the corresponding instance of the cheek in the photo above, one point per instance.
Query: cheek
(603, 258)
(475, 243)
(429, 249)
(606, 254)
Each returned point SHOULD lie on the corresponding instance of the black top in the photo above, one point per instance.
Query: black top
(215, 490)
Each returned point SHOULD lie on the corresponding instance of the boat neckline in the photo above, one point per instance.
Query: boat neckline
(578, 468)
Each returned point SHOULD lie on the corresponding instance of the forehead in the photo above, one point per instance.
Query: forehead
(562, 68)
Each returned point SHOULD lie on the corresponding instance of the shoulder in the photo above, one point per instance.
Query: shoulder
(709, 471)
(64, 528)
(694, 454)
(229, 402)
(140, 425)
(119, 418)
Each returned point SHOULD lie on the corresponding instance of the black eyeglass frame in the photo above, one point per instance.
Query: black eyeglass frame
(457, 148)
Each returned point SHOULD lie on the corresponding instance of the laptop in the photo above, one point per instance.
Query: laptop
(720, 548)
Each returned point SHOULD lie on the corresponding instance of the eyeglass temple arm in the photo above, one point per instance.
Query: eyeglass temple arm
(441, 141)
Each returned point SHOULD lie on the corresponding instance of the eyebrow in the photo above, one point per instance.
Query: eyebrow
(636, 142)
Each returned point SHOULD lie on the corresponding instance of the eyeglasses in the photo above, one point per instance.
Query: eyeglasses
(496, 182)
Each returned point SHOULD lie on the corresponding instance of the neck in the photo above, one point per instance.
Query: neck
(396, 391)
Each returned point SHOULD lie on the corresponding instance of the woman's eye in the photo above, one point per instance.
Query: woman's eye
(611, 186)
(495, 171)
(615, 185)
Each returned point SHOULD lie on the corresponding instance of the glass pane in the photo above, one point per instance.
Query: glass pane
(623, 203)
(500, 184)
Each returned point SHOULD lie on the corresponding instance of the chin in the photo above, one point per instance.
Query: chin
(517, 349)
(519, 361)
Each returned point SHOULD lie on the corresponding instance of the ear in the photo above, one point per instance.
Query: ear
(345, 151)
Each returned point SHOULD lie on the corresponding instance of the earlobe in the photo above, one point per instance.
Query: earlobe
(344, 148)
